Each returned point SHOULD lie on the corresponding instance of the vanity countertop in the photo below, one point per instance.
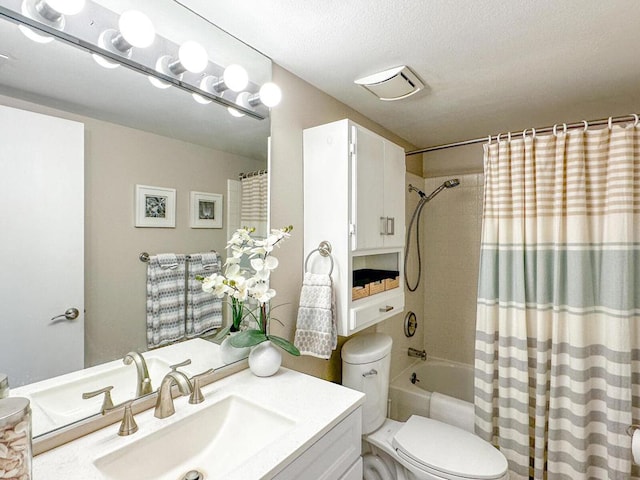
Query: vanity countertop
(314, 406)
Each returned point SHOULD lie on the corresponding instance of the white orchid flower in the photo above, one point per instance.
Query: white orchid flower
(215, 284)
(262, 293)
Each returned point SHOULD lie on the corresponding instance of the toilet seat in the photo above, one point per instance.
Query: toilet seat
(447, 451)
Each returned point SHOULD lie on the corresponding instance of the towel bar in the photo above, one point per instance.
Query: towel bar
(324, 249)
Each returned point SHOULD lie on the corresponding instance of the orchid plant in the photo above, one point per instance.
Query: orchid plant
(241, 284)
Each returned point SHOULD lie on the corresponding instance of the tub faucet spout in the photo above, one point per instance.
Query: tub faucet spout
(421, 354)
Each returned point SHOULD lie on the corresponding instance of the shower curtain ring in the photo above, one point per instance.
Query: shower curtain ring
(533, 133)
(586, 125)
(498, 138)
(564, 128)
(524, 134)
(610, 123)
(509, 137)
(635, 119)
(555, 130)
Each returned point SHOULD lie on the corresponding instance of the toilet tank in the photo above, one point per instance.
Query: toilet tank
(365, 367)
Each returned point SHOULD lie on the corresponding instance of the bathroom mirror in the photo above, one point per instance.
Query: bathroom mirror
(135, 134)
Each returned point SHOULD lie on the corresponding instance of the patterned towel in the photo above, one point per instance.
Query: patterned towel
(204, 311)
(165, 299)
(316, 331)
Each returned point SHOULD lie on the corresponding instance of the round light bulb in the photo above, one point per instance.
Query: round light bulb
(193, 56)
(103, 62)
(200, 99)
(235, 77)
(136, 28)
(66, 7)
(234, 112)
(35, 36)
(156, 82)
(270, 94)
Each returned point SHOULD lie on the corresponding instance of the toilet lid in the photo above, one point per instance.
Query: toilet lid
(451, 451)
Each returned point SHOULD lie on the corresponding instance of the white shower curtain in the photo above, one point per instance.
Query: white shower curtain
(254, 203)
(557, 350)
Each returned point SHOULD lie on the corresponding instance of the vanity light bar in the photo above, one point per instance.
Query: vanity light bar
(65, 37)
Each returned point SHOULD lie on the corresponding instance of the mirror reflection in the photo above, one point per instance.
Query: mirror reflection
(75, 131)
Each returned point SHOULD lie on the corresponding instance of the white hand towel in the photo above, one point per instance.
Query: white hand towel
(210, 262)
(316, 331)
(204, 311)
(167, 260)
(165, 299)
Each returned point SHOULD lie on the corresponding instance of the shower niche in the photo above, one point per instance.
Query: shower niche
(354, 198)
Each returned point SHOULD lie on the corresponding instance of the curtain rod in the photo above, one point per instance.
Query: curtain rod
(251, 174)
(584, 124)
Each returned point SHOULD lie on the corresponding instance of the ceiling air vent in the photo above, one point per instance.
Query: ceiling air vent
(392, 84)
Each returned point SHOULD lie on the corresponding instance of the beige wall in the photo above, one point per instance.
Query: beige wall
(451, 229)
(302, 106)
(116, 159)
(453, 161)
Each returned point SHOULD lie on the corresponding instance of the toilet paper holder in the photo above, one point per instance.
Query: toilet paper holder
(632, 428)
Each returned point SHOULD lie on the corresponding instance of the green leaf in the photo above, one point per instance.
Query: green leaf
(248, 338)
(286, 345)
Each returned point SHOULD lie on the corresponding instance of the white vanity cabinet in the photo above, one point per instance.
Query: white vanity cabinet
(354, 198)
(336, 456)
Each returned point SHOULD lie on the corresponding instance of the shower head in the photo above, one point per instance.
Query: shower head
(453, 182)
(418, 191)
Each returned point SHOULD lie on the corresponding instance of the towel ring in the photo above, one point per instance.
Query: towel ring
(324, 249)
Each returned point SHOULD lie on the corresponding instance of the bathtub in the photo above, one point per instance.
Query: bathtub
(434, 375)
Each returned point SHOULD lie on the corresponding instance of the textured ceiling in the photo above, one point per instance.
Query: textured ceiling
(490, 65)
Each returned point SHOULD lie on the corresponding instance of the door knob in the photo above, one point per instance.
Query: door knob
(69, 314)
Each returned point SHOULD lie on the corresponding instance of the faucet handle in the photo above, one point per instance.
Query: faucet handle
(128, 424)
(181, 364)
(107, 403)
(196, 394)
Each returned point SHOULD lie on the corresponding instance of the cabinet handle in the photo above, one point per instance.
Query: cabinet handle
(383, 225)
(385, 309)
(391, 221)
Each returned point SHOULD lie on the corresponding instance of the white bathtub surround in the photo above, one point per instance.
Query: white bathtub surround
(299, 399)
(559, 284)
(450, 233)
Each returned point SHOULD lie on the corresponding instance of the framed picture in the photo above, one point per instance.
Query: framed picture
(155, 207)
(206, 210)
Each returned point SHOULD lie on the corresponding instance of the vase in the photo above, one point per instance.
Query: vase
(265, 359)
(229, 353)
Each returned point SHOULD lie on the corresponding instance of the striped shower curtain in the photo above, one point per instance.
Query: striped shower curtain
(557, 352)
(253, 209)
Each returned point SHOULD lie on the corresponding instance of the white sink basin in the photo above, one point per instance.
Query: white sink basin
(63, 402)
(214, 441)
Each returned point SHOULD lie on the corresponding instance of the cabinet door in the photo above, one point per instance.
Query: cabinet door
(368, 188)
(394, 194)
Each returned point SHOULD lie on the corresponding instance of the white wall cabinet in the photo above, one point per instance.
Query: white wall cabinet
(354, 198)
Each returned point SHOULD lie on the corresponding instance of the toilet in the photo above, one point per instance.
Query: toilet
(420, 448)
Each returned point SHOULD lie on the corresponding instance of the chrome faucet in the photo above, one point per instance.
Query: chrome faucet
(421, 354)
(144, 381)
(164, 403)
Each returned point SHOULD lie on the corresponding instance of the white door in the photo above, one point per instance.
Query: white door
(394, 194)
(368, 185)
(42, 245)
